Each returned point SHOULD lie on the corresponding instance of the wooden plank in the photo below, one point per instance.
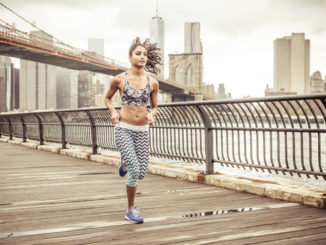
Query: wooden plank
(47, 198)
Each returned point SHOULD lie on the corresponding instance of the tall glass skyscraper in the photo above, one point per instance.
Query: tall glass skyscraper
(157, 36)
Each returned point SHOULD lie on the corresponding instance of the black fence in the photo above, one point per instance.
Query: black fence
(277, 134)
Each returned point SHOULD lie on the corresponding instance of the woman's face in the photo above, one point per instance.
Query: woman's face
(138, 57)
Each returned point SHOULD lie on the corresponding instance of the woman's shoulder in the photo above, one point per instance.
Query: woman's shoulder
(154, 82)
(118, 79)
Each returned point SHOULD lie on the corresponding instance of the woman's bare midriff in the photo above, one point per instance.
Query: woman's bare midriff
(134, 115)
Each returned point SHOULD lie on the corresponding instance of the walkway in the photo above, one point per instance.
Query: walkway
(48, 198)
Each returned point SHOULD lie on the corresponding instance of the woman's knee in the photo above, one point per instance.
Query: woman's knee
(132, 180)
(142, 174)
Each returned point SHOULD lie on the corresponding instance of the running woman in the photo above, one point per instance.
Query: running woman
(136, 88)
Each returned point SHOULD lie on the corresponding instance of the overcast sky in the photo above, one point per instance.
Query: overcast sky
(237, 35)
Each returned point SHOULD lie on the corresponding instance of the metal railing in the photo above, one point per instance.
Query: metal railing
(275, 135)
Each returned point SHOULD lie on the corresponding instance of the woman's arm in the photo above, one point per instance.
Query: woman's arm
(153, 102)
(114, 86)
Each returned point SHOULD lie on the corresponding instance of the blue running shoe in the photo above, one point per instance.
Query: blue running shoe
(133, 216)
(122, 169)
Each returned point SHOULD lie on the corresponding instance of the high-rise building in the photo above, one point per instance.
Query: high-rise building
(316, 82)
(157, 36)
(67, 88)
(221, 91)
(192, 42)
(86, 93)
(96, 45)
(37, 90)
(9, 85)
(292, 64)
(15, 89)
(5, 83)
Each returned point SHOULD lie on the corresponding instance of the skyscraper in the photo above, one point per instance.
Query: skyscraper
(5, 83)
(37, 90)
(9, 85)
(96, 45)
(86, 91)
(316, 82)
(67, 88)
(192, 40)
(292, 64)
(157, 36)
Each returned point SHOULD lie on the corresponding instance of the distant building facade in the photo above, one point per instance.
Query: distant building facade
(292, 64)
(37, 86)
(208, 90)
(86, 91)
(37, 90)
(9, 85)
(67, 88)
(317, 84)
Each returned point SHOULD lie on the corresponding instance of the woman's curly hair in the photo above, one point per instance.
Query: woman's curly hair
(153, 54)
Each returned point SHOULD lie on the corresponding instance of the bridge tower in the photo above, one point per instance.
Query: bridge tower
(187, 68)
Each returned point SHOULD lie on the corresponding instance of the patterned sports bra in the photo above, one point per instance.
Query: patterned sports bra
(133, 96)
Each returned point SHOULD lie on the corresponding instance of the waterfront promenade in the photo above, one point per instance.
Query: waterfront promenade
(48, 198)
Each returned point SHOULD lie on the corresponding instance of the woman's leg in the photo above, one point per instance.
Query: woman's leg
(125, 144)
(131, 193)
(141, 140)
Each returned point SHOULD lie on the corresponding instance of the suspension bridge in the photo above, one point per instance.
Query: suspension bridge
(43, 47)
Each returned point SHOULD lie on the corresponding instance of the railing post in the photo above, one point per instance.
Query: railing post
(1, 129)
(208, 139)
(10, 129)
(40, 128)
(24, 129)
(93, 131)
(63, 131)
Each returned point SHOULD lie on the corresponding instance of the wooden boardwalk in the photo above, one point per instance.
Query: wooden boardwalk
(48, 198)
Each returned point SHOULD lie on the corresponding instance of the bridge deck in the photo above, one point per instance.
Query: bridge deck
(52, 199)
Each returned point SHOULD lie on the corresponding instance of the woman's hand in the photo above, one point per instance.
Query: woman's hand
(151, 119)
(115, 117)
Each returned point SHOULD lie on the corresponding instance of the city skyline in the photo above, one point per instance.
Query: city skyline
(237, 36)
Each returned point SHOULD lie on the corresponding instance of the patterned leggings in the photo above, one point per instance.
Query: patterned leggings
(133, 145)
